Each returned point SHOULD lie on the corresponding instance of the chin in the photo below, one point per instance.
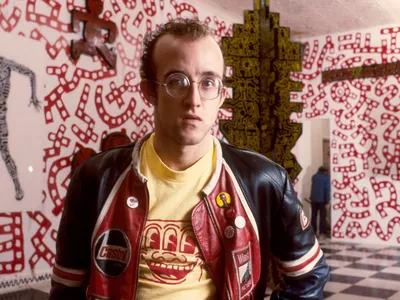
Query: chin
(191, 139)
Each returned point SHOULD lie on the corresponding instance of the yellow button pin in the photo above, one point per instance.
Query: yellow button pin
(223, 199)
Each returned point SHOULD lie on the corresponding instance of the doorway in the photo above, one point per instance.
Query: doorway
(312, 150)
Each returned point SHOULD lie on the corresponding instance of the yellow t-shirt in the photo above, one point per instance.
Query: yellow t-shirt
(171, 264)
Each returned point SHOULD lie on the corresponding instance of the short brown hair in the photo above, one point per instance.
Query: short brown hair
(182, 27)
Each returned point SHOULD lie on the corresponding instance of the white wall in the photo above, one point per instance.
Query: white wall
(39, 39)
(308, 151)
(364, 116)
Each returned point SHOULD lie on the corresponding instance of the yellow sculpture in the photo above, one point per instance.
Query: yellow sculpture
(262, 57)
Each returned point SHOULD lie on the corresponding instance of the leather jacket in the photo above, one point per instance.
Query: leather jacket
(99, 237)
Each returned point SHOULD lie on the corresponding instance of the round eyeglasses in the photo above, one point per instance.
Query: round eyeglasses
(178, 85)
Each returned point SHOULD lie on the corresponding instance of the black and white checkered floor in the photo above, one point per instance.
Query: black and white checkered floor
(358, 272)
(362, 272)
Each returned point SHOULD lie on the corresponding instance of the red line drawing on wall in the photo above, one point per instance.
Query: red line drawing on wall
(11, 228)
(42, 251)
(365, 133)
(74, 121)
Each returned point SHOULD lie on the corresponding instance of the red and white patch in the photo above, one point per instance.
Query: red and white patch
(112, 252)
(303, 219)
(244, 273)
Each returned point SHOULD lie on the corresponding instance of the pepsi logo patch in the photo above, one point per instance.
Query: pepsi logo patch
(112, 252)
(243, 270)
(303, 219)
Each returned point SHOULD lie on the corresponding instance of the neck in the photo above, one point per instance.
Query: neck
(180, 157)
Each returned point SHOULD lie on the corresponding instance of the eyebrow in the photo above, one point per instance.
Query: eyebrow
(212, 73)
(172, 72)
(206, 73)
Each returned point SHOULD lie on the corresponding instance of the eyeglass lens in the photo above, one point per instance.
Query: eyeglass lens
(178, 85)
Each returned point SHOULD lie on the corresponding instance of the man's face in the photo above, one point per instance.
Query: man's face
(186, 120)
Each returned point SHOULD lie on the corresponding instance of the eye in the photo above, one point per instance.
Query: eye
(177, 81)
(209, 83)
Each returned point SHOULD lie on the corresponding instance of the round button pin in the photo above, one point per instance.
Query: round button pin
(229, 232)
(132, 202)
(223, 199)
(230, 212)
(240, 222)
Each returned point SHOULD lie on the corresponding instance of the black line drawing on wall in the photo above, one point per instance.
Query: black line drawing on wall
(6, 66)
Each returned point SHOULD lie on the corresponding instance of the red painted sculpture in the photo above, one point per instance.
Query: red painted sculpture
(93, 42)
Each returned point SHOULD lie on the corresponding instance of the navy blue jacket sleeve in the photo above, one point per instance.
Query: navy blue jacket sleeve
(327, 190)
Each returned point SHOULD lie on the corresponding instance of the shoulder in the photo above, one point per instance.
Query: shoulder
(327, 178)
(117, 159)
(252, 158)
(252, 163)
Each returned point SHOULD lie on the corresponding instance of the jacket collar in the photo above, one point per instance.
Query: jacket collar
(214, 177)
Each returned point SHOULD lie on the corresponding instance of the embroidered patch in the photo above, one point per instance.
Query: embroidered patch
(303, 219)
(243, 270)
(112, 252)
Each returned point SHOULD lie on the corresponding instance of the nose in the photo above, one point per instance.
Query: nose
(193, 98)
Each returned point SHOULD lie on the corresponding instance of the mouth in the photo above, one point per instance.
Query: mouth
(191, 118)
(171, 272)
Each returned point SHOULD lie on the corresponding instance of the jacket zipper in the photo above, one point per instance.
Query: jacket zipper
(227, 293)
(216, 230)
(212, 218)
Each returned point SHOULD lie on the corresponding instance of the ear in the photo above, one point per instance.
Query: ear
(224, 93)
(148, 91)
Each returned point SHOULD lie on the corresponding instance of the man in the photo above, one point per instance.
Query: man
(178, 214)
(320, 199)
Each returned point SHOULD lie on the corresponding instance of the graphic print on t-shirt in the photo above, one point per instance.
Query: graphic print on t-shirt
(170, 252)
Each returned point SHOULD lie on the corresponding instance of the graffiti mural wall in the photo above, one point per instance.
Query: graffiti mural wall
(21, 125)
(51, 106)
(365, 131)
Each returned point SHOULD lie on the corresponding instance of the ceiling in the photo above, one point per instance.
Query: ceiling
(320, 17)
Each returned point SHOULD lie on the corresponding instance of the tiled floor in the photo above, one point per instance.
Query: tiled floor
(29, 294)
(362, 272)
(358, 272)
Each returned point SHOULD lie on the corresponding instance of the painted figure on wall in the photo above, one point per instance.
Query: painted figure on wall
(6, 66)
(93, 42)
